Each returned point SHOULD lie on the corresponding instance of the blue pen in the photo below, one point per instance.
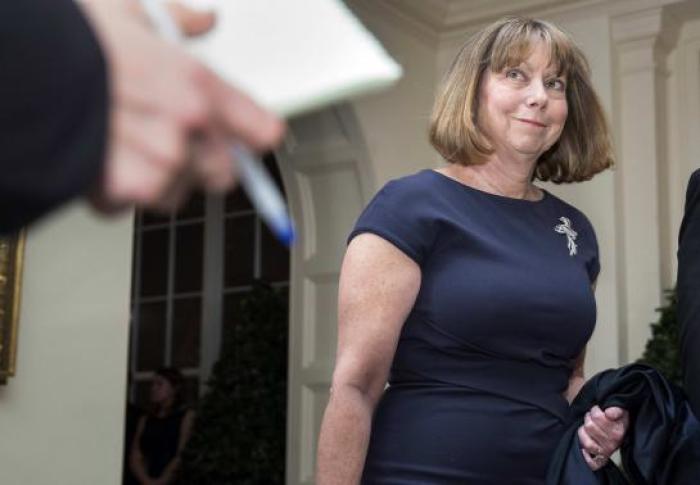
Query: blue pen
(260, 188)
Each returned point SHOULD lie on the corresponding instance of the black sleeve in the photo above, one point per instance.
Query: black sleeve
(689, 292)
(53, 108)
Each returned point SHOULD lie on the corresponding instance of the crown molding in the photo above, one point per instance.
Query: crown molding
(443, 20)
(660, 24)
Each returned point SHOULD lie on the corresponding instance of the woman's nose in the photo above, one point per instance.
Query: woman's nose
(536, 94)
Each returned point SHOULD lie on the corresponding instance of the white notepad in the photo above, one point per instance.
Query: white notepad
(293, 56)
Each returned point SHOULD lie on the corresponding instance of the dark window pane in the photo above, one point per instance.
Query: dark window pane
(239, 251)
(190, 391)
(187, 316)
(151, 336)
(154, 262)
(142, 394)
(194, 207)
(189, 255)
(151, 218)
(285, 294)
(231, 312)
(274, 258)
(237, 200)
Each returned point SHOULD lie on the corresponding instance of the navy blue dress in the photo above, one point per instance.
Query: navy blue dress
(476, 390)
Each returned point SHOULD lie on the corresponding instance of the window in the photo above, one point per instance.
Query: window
(191, 268)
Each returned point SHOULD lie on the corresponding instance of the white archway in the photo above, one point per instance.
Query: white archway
(326, 172)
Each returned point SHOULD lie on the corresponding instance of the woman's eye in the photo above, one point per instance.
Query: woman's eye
(514, 74)
(557, 84)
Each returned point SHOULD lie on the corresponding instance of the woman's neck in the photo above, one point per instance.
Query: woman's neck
(507, 178)
(164, 409)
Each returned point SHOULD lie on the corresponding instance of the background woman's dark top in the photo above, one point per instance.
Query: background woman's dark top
(485, 355)
(159, 441)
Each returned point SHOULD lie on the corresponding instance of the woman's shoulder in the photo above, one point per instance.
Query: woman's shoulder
(410, 189)
(404, 213)
(417, 181)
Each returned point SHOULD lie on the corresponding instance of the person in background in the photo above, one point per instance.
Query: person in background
(688, 288)
(162, 432)
(470, 289)
(96, 104)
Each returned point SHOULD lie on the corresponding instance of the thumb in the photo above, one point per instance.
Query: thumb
(614, 413)
(192, 22)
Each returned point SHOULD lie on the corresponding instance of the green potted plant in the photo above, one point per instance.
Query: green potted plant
(239, 435)
(663, 348)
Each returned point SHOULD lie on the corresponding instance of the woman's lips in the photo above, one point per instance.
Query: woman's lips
(532, 122)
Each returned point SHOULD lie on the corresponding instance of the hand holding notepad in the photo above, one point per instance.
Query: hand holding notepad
(293, 56)
(290, 57)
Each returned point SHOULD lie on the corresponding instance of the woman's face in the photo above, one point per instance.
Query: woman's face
(161, 390)
(522, 110)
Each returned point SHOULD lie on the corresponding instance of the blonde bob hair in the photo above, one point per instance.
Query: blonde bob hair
(584, 147)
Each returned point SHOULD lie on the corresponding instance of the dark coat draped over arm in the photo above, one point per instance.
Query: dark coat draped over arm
(662, 445)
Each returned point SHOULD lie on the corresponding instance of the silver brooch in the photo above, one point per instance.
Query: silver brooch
(565, 228)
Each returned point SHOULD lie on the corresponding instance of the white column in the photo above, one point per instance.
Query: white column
(639, 123)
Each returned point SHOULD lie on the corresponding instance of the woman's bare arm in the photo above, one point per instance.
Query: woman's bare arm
(378, 287)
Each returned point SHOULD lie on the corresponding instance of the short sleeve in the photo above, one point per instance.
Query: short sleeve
(399, 213)
(592, 256)
(593, 264)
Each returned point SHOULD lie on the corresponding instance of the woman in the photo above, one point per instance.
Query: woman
(162, 434)
(469, 289)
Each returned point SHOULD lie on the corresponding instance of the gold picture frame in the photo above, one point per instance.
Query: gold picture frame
(11, 261)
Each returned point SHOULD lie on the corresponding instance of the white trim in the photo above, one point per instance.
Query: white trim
(328, 180)
(212, 287)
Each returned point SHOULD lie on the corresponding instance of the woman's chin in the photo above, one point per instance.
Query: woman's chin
(528, 150)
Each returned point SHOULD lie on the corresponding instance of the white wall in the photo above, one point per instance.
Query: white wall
(61, 416)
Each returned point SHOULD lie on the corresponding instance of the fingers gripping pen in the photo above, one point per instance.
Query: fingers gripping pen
(261, 190)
